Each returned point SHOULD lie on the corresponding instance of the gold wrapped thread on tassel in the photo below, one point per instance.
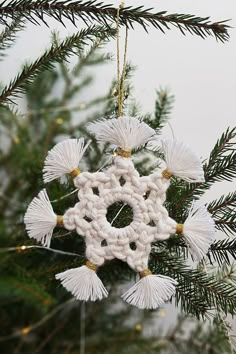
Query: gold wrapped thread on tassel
(179, 229)
(166, 174)
(60, 220)
(91, 266)
(123, 153)
(74, 173)
(144, 273)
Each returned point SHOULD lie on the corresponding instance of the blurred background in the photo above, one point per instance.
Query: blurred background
(197, 78)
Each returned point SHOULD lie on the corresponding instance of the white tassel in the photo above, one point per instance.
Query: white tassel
(199, 231)
(83, 283)
(63, 158)
(125, 132)
(150, 291)
(40, 219)
(182, 162)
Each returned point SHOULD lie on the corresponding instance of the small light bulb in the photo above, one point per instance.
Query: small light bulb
(138, 327)
(81, 105)
(25, 330)
(59, 121)
(16, 140)
(162, 313)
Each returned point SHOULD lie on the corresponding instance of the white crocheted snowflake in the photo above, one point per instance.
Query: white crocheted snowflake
(120, 183)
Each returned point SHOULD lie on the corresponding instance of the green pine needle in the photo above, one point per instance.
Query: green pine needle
(55, 54)
(92, 10)
(221, 166)
(9, 35)
(197, 291)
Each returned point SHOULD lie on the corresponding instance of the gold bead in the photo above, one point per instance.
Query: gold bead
(74, 173)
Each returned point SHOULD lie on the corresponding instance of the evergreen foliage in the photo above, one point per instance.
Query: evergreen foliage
(9, 35)
(93, 10)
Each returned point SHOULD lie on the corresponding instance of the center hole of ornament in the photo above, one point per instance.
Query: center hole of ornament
(119, 214)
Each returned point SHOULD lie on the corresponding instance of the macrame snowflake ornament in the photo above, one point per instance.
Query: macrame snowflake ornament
(121, 183)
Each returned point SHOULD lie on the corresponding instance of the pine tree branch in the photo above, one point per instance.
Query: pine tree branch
(8, 35)
(227, 201)
(206, 289)
(226, 273)
(221, 167)
(163, 108)
(227, 225)
(223, 211)
(92, 10)
(221, 250)
(56, 53)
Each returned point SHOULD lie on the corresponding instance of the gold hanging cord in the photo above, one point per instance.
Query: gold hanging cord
(120, 77)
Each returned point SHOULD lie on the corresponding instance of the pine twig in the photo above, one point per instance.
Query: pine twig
(93, 10)
(220, 167)
(163, 107)
(223, 211)
(56, 53)
(8, 35)
(208, 292)
(224, 202)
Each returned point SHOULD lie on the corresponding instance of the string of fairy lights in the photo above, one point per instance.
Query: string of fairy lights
(22, 248)
(26, 330)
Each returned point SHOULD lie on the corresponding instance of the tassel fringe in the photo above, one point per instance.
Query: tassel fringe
(126, 132)
(40, 219)
(83, 283)
(182, 162)
(199, 231)
(150, 292)
(63, 158)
